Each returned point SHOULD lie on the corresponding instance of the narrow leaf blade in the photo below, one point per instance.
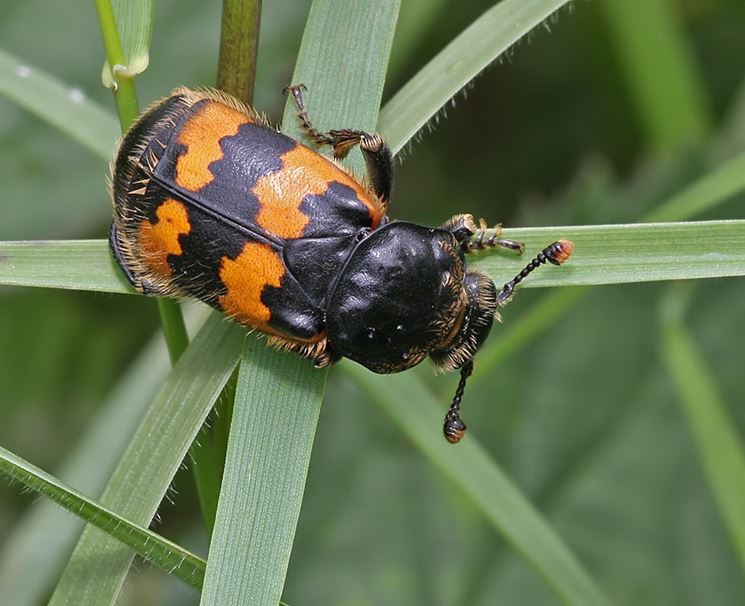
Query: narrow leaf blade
(150, 546)
(616, 254)
(603, 254)
(67, 264)
(147, 468)
(277, 403)
(462, 60)
(34, 553)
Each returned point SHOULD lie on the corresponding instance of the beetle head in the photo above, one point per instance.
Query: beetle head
(473, 321)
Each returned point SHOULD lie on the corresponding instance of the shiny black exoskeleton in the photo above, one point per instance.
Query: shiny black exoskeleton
(212, 202)
(405, 291)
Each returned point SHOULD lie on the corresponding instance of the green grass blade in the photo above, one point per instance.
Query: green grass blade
(462, 60)
(145, 471)
(34, 553)
(664, 81)
(470, 470)
(604, 254)
(720, 449)
(134, 20)
(276, 409)
(149, 545)
(67, 264)
(65, 108)
(616, 254)
(343, 61)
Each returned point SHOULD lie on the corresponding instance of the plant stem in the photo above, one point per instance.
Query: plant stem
(125, 94)
(239, 38)
(128, 109)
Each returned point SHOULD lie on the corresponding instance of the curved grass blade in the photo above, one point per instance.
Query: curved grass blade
(150, 546)
(470, 469)
(720, 449)
(462, 60)
(342, 61)
(64, 107)
(34, 553)
(154, 455)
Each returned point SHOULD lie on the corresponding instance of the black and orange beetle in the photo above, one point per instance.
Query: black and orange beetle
(213, 203)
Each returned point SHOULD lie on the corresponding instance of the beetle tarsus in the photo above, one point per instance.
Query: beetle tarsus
(480, 241)
(296, 90)
(377, 154)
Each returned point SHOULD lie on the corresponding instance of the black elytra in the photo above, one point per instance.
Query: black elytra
(212, 202)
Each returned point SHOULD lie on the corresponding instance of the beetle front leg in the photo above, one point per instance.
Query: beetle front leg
(463, 228)
(377, 154)
(479, 243)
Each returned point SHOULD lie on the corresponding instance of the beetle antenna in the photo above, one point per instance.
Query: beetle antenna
(454, 428)
(556, 254)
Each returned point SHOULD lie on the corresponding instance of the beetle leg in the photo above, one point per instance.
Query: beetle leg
(556, 254)
(377, 154)
(463, 228)
(493, 241)
(296, 90)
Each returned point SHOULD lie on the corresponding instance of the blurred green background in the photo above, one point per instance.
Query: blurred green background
(583, 418)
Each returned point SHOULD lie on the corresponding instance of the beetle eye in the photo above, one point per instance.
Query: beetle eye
(475, 324)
